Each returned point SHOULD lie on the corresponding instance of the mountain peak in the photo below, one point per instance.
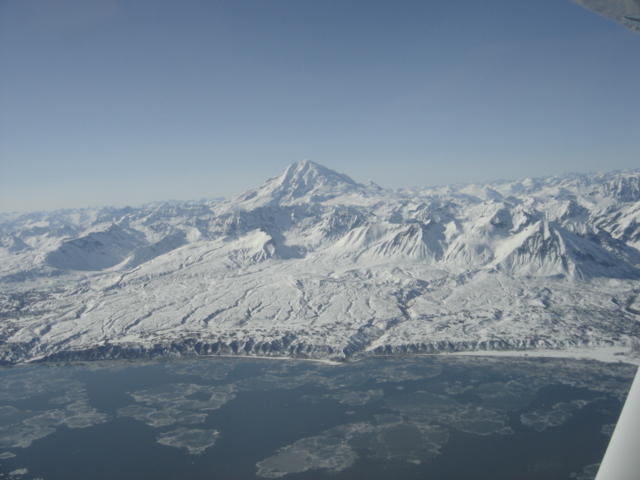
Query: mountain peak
(302, 177)
(303, 181)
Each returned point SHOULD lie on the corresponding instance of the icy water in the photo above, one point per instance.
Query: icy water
(219, 418)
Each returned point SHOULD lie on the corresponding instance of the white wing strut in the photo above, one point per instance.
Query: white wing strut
(622, 458)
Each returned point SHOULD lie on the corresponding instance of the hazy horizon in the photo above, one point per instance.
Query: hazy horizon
(205, 199)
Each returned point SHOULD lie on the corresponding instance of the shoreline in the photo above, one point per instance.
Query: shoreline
(602, 354)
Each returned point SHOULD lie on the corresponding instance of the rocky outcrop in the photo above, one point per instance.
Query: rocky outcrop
(286, 347)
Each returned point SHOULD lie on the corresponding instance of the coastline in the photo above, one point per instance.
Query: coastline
(601, 354)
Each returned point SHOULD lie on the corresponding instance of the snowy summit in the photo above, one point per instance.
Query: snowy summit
(301, 182)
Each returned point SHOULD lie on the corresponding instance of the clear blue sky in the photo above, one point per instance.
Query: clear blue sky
(115, 102)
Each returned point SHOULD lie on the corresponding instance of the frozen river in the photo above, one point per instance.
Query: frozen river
(230, 418)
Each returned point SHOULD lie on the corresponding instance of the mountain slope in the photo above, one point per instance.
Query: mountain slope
(313, 264)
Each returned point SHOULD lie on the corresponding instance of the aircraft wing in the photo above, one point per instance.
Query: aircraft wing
(625, 12)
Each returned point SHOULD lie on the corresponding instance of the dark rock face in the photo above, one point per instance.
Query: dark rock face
(287, 347)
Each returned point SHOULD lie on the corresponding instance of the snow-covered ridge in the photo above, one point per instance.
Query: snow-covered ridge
(312, 263)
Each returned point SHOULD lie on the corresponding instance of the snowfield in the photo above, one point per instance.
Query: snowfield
(312, 264)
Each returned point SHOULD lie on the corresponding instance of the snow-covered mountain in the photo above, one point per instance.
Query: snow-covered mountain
(313, 264)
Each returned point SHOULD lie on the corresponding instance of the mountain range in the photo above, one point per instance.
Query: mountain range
(313, 264)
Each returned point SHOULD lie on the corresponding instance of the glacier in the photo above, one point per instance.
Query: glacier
(312, 264)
